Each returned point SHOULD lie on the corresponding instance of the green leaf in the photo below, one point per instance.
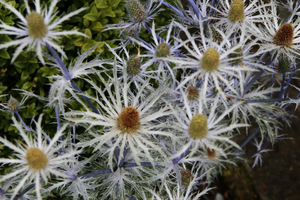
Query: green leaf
(4, 38)
(9, 20)
(86, 23)
(94, 10)
(101, 3)
(88, 45)
(2, 88)
(91, 16)
(97, 26)
(19, 65)
(114, 3)
(88, 32)
(4, 54)
(108, 12)
(24, 75)
(26, 86)
(79, 42)
(100, 47)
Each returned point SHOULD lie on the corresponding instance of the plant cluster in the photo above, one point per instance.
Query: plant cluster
(153, 112)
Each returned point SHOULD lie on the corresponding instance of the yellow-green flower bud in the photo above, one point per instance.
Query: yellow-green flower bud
(236, 12)
(210, 60)
(35, 25)
(162, 50)
(134, 65)
(198, 128)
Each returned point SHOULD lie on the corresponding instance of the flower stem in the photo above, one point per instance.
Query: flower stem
(248, 140)
(173, 8)
(176, 160)
(96, 173)
(67, 75)
(24, 125)
(195, 8)
(62, 66)
(249, 84)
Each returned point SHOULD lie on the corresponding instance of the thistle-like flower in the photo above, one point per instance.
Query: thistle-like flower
(127, 122)
(258, 155)
(75, 185)
(238, 12)
(201, 129)
(208, 60)
(13, 105)
(184, 189)
(36, 29)
(160, 51)
(79, 69)
(138, 15)
(133, 67)
(38, 158)
(190, 16)
(254, 101)
(282, 38)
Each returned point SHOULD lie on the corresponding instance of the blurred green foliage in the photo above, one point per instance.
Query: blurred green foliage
(27, 72)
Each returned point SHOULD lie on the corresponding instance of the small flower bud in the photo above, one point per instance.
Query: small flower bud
(283, 65)
(211, 153)
(163, 50)
(134, 65)
(211, 60)
(236, 56)
(136, 10)
(186, 177)
(13, 104)
(192, 93)
(216, 36)
(236, 12)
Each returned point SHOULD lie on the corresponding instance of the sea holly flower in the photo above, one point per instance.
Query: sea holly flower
(36, 29)
(77, 70)
(160, 50)
(182, 189)
(127, 120)
(37, 158)
(13, 105)
(124, 182)
(238, 12)
(74, 184)
(255, 102)
(200, 10)
(258, 155)
(208, 60)
(133, 67)
(138, 16)
(282, 38)
(201, 128)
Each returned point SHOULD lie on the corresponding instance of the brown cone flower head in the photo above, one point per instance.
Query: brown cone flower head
(284, 36)
(211, 153)
(128, 120)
